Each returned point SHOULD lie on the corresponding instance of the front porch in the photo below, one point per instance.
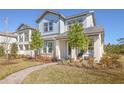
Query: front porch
(60, 49)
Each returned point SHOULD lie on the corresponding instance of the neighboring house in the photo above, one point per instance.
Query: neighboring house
(54, 26)
(6, 39)
(22, 37)
(24, 33)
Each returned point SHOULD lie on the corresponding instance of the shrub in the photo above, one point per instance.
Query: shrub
(45, 58)
(90, 61)
(116, 49)
(2, 51)
(110, 60)
(114, 57)
(14, 50)
(105, 60)
(81, 59)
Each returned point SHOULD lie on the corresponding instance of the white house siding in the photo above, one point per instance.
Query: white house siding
(7, 39)
(57, 49)
(89, 21)
(63, 48)
(23, 43)
(10, 39)
(62, 26)
(48, 18)
(98, 50)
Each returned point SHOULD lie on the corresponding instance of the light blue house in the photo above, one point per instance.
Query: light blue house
(54, 26)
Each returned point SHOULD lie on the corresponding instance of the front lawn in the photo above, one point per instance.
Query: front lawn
(7, 68)
(73, 75)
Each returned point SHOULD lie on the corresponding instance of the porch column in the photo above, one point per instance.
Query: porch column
(57, 49)
(73, 54)
(97, 48)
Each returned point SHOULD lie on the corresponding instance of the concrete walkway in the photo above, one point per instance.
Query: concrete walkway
(18, 77)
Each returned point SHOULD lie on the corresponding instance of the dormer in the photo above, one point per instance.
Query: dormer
(85, 18)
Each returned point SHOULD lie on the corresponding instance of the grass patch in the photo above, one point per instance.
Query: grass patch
(9, 67)
(72, 75)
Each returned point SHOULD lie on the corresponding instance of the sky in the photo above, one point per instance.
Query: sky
(111, 20)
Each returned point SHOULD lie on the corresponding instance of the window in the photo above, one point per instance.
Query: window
(20, 47)
(20, 38)
(80, 20)
(91, 48)
(45, 27)
(48, 47)
(48, 26)
(51, 26)
(45, 47)
(27, 36)
(27, 47)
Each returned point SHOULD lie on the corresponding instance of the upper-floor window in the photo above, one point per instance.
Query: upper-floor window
(80, 20)
(72, 21)
(26, 36)
(48, 26)
(45, 27)
(20, 38)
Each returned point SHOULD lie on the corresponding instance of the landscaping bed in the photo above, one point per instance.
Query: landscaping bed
(71, 74)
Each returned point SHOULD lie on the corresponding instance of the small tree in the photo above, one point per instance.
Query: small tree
(77, 38)
(14, 50)
(2, 51)
(36, 41)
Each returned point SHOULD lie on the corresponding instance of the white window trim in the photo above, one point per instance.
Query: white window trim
(47, 52)
(48, 26)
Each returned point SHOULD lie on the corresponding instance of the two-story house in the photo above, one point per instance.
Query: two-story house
(54, 26)
(24, 33)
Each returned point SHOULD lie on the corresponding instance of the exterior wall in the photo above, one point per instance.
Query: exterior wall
(62, 26)
(63, 48)
(47, 18)
(8, 40)
(98, 50)
(87, 21)
(57, 49)
(24, 51)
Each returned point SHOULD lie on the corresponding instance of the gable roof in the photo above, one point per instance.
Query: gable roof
(49, 11)
(25, 26)
(80, 14)
(66, 18)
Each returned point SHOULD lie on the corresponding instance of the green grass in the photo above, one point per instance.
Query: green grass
(7, 68)
(73, 75)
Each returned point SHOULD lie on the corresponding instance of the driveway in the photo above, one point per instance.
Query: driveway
(18, 77)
